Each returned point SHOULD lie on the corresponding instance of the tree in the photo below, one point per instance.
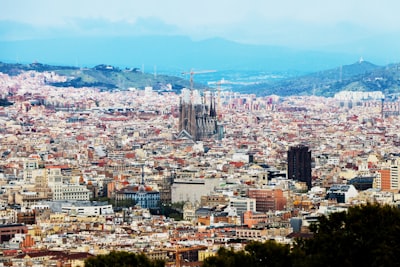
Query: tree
(125, 203)
(255, 254)
(269, 253)
(173, 210)
(228, 258)
(366, 235)
(123, 259)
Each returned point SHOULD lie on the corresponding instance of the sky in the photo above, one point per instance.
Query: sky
(337, 25)
(305, 22)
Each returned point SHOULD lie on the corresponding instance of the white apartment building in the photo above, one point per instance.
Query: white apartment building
(31, 165)
(333, 160)
(377, 181)
(88, 210)
(65, 191)
(70, 192)
(74, 192)
(394, 175)
(341, 192)
(242, 204)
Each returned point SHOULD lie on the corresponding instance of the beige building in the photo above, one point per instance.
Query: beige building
(192, 189)
(62, 190)
(214, 200)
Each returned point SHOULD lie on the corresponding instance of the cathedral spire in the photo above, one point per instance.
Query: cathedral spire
(212, 108)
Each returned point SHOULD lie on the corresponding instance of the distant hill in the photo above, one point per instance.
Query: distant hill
(360, 76)
(15, 69)
(105, 77)
(179, 53)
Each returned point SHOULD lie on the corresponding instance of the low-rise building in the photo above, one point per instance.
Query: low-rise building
(342, 193)
(141, 195)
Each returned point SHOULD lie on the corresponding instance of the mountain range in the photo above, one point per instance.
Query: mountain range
(359, 76)
(105, 77)
(168, 53)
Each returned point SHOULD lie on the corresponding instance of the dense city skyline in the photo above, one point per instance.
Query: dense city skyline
(110, 160)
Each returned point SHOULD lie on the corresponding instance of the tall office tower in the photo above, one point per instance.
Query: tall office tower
(299, 164)
(197, 118)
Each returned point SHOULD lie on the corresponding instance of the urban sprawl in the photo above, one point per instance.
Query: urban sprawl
(85, 171)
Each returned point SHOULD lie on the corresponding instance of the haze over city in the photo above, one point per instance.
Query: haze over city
(307, 34)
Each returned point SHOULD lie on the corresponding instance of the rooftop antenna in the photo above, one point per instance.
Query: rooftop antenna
(142, 174)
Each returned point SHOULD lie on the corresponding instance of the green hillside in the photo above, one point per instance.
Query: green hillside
(105, 77)
(360, 76)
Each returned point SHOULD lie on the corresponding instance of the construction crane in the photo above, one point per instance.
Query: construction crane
(192, 73)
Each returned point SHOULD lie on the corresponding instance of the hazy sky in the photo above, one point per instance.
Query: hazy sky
(303, 23)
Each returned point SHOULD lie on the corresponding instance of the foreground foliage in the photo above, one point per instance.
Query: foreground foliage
(256, 254)
(366, 235)
(122, 259)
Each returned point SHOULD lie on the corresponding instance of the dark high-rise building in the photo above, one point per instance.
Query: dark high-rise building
(197, 118)
(299, 164)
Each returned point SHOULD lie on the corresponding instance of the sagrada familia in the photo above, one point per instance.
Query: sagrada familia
(197, 117)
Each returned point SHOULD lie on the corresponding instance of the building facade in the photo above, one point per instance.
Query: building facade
(341, 193)
(92, 210)
(242, 204)
(192, 189)
(143, 196)
(214, 200)
(196, 117)
(268, 199)
(299, 164)
(8, 231)
(382, 180)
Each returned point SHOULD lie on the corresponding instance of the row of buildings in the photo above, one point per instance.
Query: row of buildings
(249, 168)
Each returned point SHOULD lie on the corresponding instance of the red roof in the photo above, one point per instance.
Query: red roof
(80, 138)
(237, 164)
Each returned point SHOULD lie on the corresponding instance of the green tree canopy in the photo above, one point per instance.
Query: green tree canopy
(256, 254)
(366, 235)
(122, 259)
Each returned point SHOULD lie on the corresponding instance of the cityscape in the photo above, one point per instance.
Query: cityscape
(177, 176)
(199, 133)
